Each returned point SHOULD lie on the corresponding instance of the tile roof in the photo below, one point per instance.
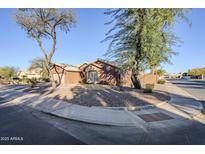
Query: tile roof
(80, 67)
(68, 67)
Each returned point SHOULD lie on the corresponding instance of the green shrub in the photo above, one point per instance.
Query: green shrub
(161, 81)
(148, 88)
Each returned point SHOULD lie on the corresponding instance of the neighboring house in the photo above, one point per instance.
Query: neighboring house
(29, 74)
(98, 71)
(174, 75)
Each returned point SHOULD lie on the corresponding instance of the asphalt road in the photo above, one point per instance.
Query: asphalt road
(194, 87)
(19, 126)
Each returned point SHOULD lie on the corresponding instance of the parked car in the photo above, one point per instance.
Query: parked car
(186, 77)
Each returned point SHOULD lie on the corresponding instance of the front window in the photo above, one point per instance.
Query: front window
(92, 76)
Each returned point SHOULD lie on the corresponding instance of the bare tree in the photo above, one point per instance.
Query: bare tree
(41, 24)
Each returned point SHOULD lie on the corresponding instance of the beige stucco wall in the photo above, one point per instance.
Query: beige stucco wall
(144, 79)
(67, 77)
(57, 76)
(126, 79)
(147, 79)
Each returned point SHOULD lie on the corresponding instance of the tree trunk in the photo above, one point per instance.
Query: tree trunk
(50, 74)
(138, 56)
(49, 56)
(135, 80)
(153, 70)
(53, 83)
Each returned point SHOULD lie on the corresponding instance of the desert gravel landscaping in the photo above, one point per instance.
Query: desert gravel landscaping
(109, 96)
(99, 95)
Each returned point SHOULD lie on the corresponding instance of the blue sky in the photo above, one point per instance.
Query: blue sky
(82, 43)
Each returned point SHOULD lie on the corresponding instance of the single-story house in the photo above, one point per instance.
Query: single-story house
(95, 72)
(98, 71)
(174, 75)
(30, 74)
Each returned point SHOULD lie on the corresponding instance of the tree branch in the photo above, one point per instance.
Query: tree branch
(53, 46)
(41, 47)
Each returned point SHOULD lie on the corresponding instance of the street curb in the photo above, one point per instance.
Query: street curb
(133, 108)
(107, 123)
(198, 118)
(89, 121)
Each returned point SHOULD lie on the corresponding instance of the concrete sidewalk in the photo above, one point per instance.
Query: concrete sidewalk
(181, 106)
